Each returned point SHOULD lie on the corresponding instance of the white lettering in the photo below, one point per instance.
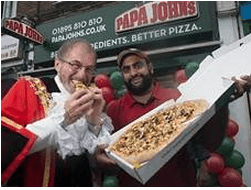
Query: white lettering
(194, 27)
(79, 33)
(95, 21)
(54, 31)
(110, 43)
(62, 29)
(187, 28)
(79, 25)
(163, 32)
(134, 38)
(180, 29)
(149, 35)
(171, 30)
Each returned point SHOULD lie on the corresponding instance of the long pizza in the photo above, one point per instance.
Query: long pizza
(145, 138)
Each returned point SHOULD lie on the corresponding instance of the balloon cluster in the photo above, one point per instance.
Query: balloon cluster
(112, 86)
(224, 165)
(118, 83)
(183, 75)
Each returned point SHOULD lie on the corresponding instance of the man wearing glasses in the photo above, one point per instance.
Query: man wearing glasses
(68, 123)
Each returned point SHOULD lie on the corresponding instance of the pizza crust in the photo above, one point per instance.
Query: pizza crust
(145, 138)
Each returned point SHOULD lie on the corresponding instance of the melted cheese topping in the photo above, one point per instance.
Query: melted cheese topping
(81, 86)
(155, 130)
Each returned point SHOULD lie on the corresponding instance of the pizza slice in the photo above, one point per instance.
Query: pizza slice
(81, 86)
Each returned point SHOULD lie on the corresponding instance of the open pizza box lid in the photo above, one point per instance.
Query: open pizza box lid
(149, 168)
(212, 83)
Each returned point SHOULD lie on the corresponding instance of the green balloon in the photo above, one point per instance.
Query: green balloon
(227, 146)
(191, 68)
(110, 181)
(236, 160)
(117, 80)
(120, 92)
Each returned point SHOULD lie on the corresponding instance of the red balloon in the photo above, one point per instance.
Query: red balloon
(215, 164)
(230, 178)
(232, 128)
(102, 80)
(180, 76)
(108, 94)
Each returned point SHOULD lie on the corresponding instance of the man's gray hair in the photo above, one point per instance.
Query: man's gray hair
(69, 44)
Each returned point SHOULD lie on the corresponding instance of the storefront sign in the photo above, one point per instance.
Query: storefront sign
(155, 13)
(98, 27)
(23, 30)
(9, 47)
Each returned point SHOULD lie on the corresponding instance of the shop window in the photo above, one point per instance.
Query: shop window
(246, 27)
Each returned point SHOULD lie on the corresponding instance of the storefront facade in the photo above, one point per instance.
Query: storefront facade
(171, 33)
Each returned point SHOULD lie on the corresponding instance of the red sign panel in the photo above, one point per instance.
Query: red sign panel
(155, 13)
(23, 30)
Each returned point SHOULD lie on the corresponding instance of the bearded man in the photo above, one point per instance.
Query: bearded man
(144, 94)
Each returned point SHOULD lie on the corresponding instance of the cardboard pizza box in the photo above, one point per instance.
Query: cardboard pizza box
(212, 83)
(149, 168)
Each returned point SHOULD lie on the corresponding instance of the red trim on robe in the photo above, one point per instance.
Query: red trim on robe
(22, 105)
(22, 154)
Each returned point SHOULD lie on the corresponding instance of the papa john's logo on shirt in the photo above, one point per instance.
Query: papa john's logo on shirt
(155, 13)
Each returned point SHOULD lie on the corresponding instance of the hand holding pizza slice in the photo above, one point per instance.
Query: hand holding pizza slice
(85, 101)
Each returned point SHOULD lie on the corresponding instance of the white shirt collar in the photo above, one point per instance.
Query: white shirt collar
(61, 86)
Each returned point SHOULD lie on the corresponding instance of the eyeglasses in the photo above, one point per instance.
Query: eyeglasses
(77, 67)
(136, 66)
